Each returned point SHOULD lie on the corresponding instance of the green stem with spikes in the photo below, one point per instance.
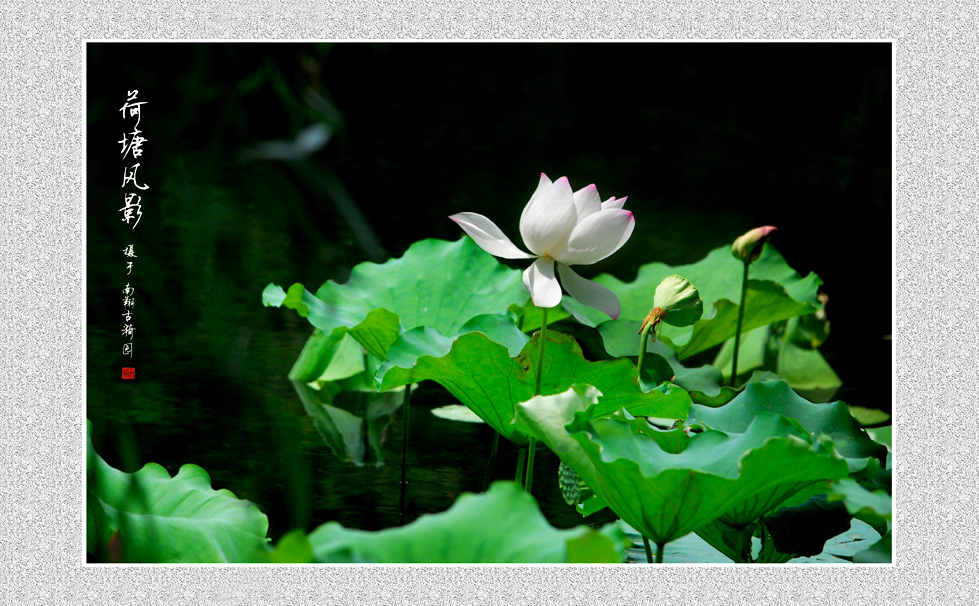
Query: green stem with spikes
(537, 380)
(737, 335)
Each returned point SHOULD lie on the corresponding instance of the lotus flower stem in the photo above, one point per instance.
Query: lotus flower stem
(659, 552)
(537, 380)
(491, 466)
(406, 408)
(649, 551)
(540, 352)
(737, 334)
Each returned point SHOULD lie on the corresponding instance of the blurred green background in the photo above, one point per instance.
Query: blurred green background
(707, 140)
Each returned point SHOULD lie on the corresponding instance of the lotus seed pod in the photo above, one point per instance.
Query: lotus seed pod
(679, 300)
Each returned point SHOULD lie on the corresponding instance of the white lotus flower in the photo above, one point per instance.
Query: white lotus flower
(561, 229)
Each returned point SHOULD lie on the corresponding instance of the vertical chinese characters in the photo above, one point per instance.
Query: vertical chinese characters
(132, 210)
(132, 149)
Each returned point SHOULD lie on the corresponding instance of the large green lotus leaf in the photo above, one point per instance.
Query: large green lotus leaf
(481, 374)
(833, 419)
(775, 292)
(436, 283)
(735, 478)
(502, 526)
(158, 519)
(636, 469)
(403, 355)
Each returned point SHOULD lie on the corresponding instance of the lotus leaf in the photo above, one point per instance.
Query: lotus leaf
(502, 526)
(831, 419)
(775, 292)
(859, 499)
(638, 472)
(481, 374)
(152, 517)
(436, 283)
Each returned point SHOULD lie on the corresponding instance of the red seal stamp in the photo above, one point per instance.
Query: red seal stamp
(128, 373)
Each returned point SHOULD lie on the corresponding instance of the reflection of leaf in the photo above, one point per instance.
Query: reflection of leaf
(832, 419)
(480, 373)
(665, 491)
(169, 520)
(502, 526)
(350, 422)
(776, 292)
(436, 284)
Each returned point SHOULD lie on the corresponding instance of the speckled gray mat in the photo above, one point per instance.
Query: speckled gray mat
(41, 339)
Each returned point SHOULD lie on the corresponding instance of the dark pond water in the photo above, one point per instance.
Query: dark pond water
(706, 140)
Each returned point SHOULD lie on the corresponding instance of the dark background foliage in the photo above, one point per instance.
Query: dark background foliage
(708, 140)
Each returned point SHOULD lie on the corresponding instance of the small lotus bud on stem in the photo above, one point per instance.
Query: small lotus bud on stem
(748, 247)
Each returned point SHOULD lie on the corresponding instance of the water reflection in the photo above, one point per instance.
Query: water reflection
(352, 423)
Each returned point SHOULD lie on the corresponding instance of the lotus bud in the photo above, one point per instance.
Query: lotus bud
(748, 247)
